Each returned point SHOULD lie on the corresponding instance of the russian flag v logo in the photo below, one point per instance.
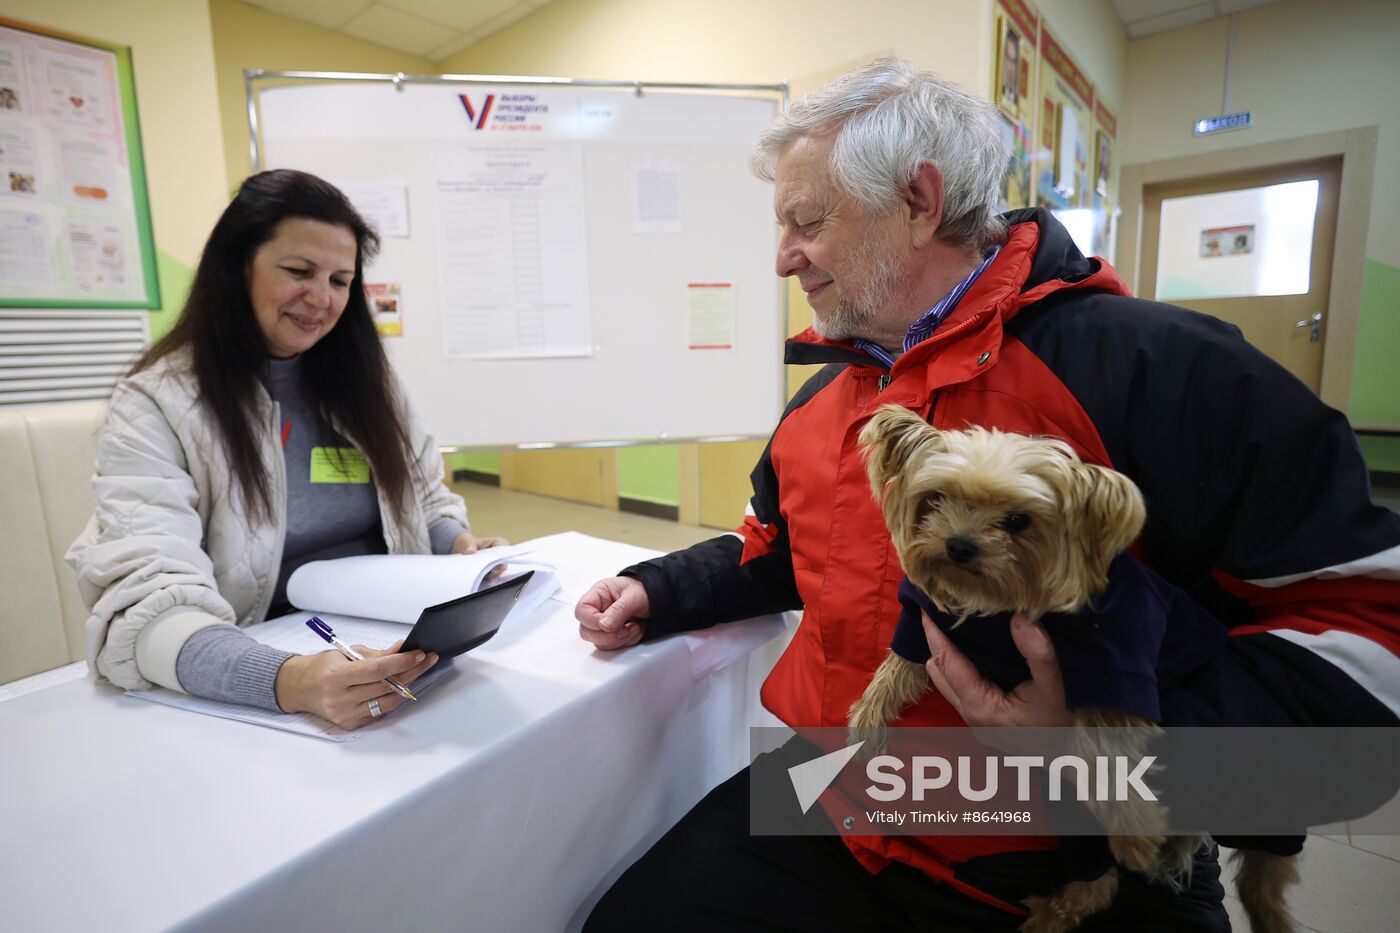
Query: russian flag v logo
(477, 120)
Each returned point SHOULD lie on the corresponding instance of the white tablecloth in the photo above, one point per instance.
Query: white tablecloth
(508, 799)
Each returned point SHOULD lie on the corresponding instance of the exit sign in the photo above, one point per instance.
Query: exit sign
(1226, 121)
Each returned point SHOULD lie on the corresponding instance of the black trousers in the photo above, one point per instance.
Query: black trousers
(709, 875)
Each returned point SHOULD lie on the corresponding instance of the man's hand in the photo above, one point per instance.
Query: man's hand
(339, 690)
(610, 613)
(1039, 701)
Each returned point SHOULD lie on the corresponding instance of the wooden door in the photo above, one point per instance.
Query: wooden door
(1291, 328)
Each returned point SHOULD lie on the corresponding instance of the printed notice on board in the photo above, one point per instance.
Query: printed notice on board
(19, 162)
(656, 196)
(383, 203)
(80, 89)
(24, 248)
(385, 307)
(512, 254)
(711, 313)
(96, 255)
(14, 87)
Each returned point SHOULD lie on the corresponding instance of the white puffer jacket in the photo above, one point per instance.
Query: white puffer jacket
(170, 542)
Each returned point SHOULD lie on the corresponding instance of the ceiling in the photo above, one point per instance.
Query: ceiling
(431, 29)
(1149, 17)
(439, 29)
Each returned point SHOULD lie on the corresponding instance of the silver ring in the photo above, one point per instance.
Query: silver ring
(374, 711)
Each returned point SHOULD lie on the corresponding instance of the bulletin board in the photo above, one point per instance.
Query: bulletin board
(561, 264)
(75, 223)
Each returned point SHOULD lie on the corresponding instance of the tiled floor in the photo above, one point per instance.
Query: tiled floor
(1350, 885)
(520, 516)
(1345, 887)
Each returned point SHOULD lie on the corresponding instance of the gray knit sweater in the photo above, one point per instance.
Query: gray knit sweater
(325, 520)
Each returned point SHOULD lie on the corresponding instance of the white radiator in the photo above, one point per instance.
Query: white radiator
(62, 356)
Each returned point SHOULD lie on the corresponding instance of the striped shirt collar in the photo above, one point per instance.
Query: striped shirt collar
(928, 322)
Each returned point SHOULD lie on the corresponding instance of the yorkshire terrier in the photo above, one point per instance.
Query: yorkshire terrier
(988, 523)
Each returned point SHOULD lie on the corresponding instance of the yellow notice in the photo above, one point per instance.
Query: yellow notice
(338, 465)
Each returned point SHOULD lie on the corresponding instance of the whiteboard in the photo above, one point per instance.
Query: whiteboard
(631, 372)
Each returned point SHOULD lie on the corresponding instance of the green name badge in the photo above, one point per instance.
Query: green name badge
(338, 465)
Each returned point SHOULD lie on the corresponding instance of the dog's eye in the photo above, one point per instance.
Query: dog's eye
(929, 505)
(1016, 521)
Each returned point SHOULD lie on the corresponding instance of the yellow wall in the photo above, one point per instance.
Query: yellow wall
(734, 40)
(247, 37)
(1091, 31)
(1302, 67)
(175, 91)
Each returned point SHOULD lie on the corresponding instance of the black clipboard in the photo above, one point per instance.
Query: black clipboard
(461, 624)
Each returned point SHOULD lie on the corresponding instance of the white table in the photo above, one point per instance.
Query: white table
(508, 799)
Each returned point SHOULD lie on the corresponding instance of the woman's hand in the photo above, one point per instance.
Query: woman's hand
(468, 543)
(340, 690)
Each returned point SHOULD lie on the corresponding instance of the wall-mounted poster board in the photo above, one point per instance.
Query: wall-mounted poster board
(75, 224)
(1015, 61)
(1105, 179)
(1066, 129)
(560, 264)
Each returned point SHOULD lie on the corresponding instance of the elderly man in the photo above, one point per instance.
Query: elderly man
(886, 183)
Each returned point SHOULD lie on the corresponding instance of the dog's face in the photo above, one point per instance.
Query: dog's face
(987, 522)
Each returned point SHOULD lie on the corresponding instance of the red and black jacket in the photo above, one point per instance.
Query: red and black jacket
(1257, 498)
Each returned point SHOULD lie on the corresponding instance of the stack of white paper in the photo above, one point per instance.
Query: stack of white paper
(399, 587)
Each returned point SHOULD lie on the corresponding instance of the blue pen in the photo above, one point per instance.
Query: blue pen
(324, 630)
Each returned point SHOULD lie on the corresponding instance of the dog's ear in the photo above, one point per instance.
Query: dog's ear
(1110, 514)
(891, 438)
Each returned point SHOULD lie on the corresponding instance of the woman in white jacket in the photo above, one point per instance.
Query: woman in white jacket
(265, 430)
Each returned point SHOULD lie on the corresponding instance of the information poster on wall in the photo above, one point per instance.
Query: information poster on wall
(75, 227)
(1064, 159)
(1105, 192)
(1015, 58)
(512, 257)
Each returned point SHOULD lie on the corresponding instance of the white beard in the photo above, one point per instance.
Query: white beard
(856, 316)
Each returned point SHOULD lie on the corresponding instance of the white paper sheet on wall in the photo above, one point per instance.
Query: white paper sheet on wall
(710, 307)
(383, 203)
(656, 196)
(512, 257)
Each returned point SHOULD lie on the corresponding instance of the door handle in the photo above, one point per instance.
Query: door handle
(1314, 322)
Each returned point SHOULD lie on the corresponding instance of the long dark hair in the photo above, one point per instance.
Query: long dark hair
(345, 376)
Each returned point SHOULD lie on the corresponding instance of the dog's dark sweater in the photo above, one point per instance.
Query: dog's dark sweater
(1137, 638)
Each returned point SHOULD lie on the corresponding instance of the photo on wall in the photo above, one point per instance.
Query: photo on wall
(1016, 184)
(1103, 166)
(1012, 63)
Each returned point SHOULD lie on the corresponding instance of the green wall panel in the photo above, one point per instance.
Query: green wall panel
(1375, 381)
(175, 278)
(650, 473)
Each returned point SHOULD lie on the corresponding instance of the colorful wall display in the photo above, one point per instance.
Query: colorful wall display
(1105, 180)
(75, 225)
(1061, 136)
(1062, 174)
(1013, 92)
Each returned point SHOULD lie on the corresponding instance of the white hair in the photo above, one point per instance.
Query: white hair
(889, 119)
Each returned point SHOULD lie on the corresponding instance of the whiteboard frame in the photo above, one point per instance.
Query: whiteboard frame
(253, 75)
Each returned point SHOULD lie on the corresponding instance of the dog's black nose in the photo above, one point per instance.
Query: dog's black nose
(961, 550)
